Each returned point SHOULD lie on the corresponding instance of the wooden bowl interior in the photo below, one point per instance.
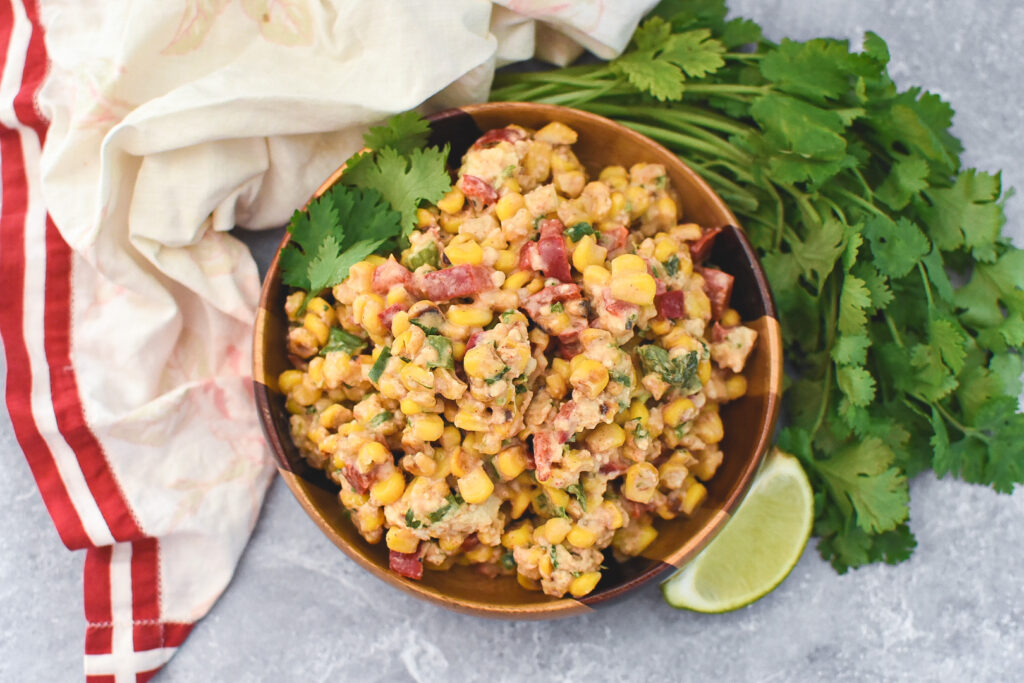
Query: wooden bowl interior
(749, 421)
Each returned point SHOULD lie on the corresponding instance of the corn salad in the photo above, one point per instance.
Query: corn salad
(534, 380)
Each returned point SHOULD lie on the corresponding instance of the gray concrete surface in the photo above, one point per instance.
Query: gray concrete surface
(298, 610)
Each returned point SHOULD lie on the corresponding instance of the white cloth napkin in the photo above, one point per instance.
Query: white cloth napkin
(129, 359)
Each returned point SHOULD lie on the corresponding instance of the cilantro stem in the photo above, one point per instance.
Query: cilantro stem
(860, 201)
(780, 227)
(927, 287)
(679, 113)
(969, 431)
(892, 329)
(830, 341)
(673, 138)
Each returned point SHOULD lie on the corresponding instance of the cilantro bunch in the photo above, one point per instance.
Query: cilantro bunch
(371, 210)
(901, 303)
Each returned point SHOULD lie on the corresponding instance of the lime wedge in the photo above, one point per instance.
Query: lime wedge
(758, 547)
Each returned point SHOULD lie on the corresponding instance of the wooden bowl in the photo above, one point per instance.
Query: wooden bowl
(749, 421)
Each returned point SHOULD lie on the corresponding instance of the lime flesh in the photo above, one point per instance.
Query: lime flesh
(758, 547)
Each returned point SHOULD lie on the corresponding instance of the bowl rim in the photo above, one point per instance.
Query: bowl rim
(564, 606)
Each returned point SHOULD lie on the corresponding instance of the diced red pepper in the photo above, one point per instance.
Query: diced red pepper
(452, 283)
(551, 248)
(545, 444)
(671, 305)
(473, 339)
(613, 467)
(615, 238)
(569, 345)
(388, 314)
(477, 188)
(636, 510)
(498, 135)
(389, 274)
(526, 256)
(621, 309)
(719, 333)
(359, 481)
(551, 294)
(718, 287)
(409, 565)
(470, 542)
(700, 249)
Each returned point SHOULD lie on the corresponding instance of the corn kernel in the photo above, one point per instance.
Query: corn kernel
(424, 218)
(469, 315)
(321, 309)
(467, 252)
(561, 367)
(665, 248)
(628, 263)
(645, 535)
(521, 535)
(305, 394)
(704, 371)
(288, 380)
(678, 337)
(610, 173)
(375, 259)
(730, 318)
(508, 206)
(352, 499)
(619, 199)
(516, 280)
(556, 133)
(414, 377)
(450, 544)
(616, 517)
(638, 411)
(520, 501)
(452, 202)
(428, 427)
(316, 370)
(634, 288)
(638, 199)
(559, 323)
(370, 319)
(581, 537)
(693, 497)
(708, 464)
(641, 480)
(675, 411)
(318, 327)
(389, 489)
(450, 437)
(590, 377)
(397, 295)
(506, 261)
(372, 453)
(481, 362)
(401, 540)
(329, 417)
(735, 387)
(708, 427)
(606, 437)
(555, 529)
(558, 497)
(471, 422)
(458, 350)
(480, 553)
(369, 519)
(596, 276)
(476, 487)
(527, 583)
(584, 584)
(667, 210)
(451, 224)
(556, 385)
(588, 253)
(511, 462)
(535, 285)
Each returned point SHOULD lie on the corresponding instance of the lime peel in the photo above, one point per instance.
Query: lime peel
(758, 547)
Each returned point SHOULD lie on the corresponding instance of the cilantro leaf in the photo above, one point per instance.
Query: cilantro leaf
(853, 301)
(966, 213)
(908, 176)
(403, 133)
(680, 372)
(858, 385)
(340, 340)
(865, 485)
(663, 60)
(897, 246)
(818, 69)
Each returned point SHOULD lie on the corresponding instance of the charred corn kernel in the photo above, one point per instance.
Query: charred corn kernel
(527, 583)
(708, 427)
(596, 276)
(471, 422)
(556, 385)
(329, 416)
(606, 437)
(556, 133)
(678, 337)
(584, 584)
(645, 535)
(615, 517)
(400, 323)
(480, 553)
(465, 253)
(667, 210)
(369, 519)
(634, 288)
(516, 280)
(428, 427)
(476, 487)
(628, 263)
(288, 380)
(520, 501)
(641, 480)
(661, 326)
(450, 437)
(675, 411)
(588, 253)
(424, 218)
(535, 285)
(521, 535)
(665, 248)
(318, 327)
(372, 453)
(508, 206)
(704, 371)
(469, 315)
(581, 537)
(730, 318)
(511, 462)
(451, 224)
(558, 497)
(375, 259)
(618, 200)
(389, 489)
(735, 386)
(638, 200)
(321, 309)
(352, 499)
(401, 540)
(458, 350)
(453, 201)
(561, 366)
(590, 377)
(555, 529)
(638, 411)
(694, 496)
(414, 377)
(506, 261)
(450, 544)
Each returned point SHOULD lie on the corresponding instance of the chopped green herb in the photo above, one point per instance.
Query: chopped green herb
(427, 256)
(508, 561)
(661, 181)
(378, 365)
(443, 346)
(581, 495)
(340, 340)
(453, 501)
(557, 307)
(554, 557)
(380, 418)
(498, 377)
(427, 329)
(521, 388)
(620, 377)
(680, 372)
(672, 266)
(508, 171)
(506, 316)
(578, 230)
(411, 521)
(310, 410)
